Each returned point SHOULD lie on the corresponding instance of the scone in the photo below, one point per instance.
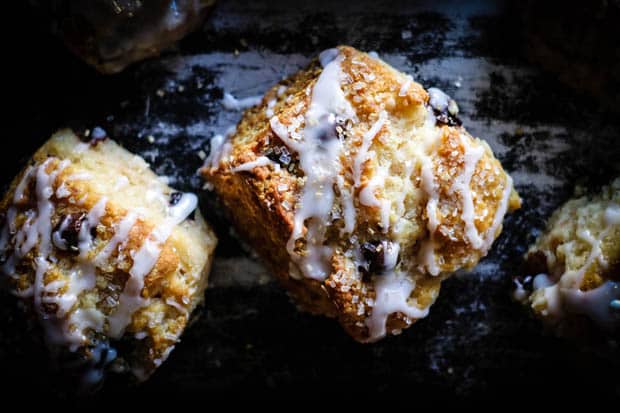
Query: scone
(361, 191)
(574, 266)
(112, 34)
(110, 259)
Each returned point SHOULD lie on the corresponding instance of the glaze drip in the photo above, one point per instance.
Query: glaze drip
(319, 159)
(563, 293)
(144, 260)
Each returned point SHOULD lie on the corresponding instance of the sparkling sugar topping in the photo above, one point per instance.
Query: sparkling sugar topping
(329, 185)
(319, 153)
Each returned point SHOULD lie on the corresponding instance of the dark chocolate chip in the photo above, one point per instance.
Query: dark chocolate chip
(72, 224)
(374, 254)
(175, 197)
(446, 118)
(326, 129)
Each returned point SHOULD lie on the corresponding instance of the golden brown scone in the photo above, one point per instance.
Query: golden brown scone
(575, 265)
(105, 254)
(359, 192)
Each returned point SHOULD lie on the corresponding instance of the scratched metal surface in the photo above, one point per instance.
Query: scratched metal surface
(249, 337)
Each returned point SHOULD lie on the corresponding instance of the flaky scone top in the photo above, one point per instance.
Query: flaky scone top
(361, 190)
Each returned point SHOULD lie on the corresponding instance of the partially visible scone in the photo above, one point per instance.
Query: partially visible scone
(574, 266)
(110, 259)
(112, 34)
(361, 190)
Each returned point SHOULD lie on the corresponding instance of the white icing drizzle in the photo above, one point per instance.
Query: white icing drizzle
(348, 207)
(220, 150)
(281, 131)
(80, 280)
(367, 195)
(519, 294)
(272, 103)
(144, 260)
(566, 295)
(328, 55)
(405, 86)
(21, 187)
(438, 99)
(430, 134)
(427, 256)
(390, 254)
(171, 302)
(69, 325)
(430, 187)
(121, 182)
(270, 106)
(92, 220)
(42, 228)
(595, 303)
(362, 154)
(462, 183)
(612, 215)
(258, 162)
(57, 240)
(37, 230)
(231, 103)
(121, 233)
(573, 278)
(62, 191)
(393, 291)
(319, 158)
(500, 212)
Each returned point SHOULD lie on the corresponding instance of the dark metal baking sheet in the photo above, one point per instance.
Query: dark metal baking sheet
(250, 338)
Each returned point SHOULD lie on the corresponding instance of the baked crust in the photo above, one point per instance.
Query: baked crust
(260, 176)
(77, 223)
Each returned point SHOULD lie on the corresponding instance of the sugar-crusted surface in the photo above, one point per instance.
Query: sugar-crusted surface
(396, 160)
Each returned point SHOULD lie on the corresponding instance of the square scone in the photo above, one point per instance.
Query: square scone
(360, 190)
(572, 281)
(106, 257)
